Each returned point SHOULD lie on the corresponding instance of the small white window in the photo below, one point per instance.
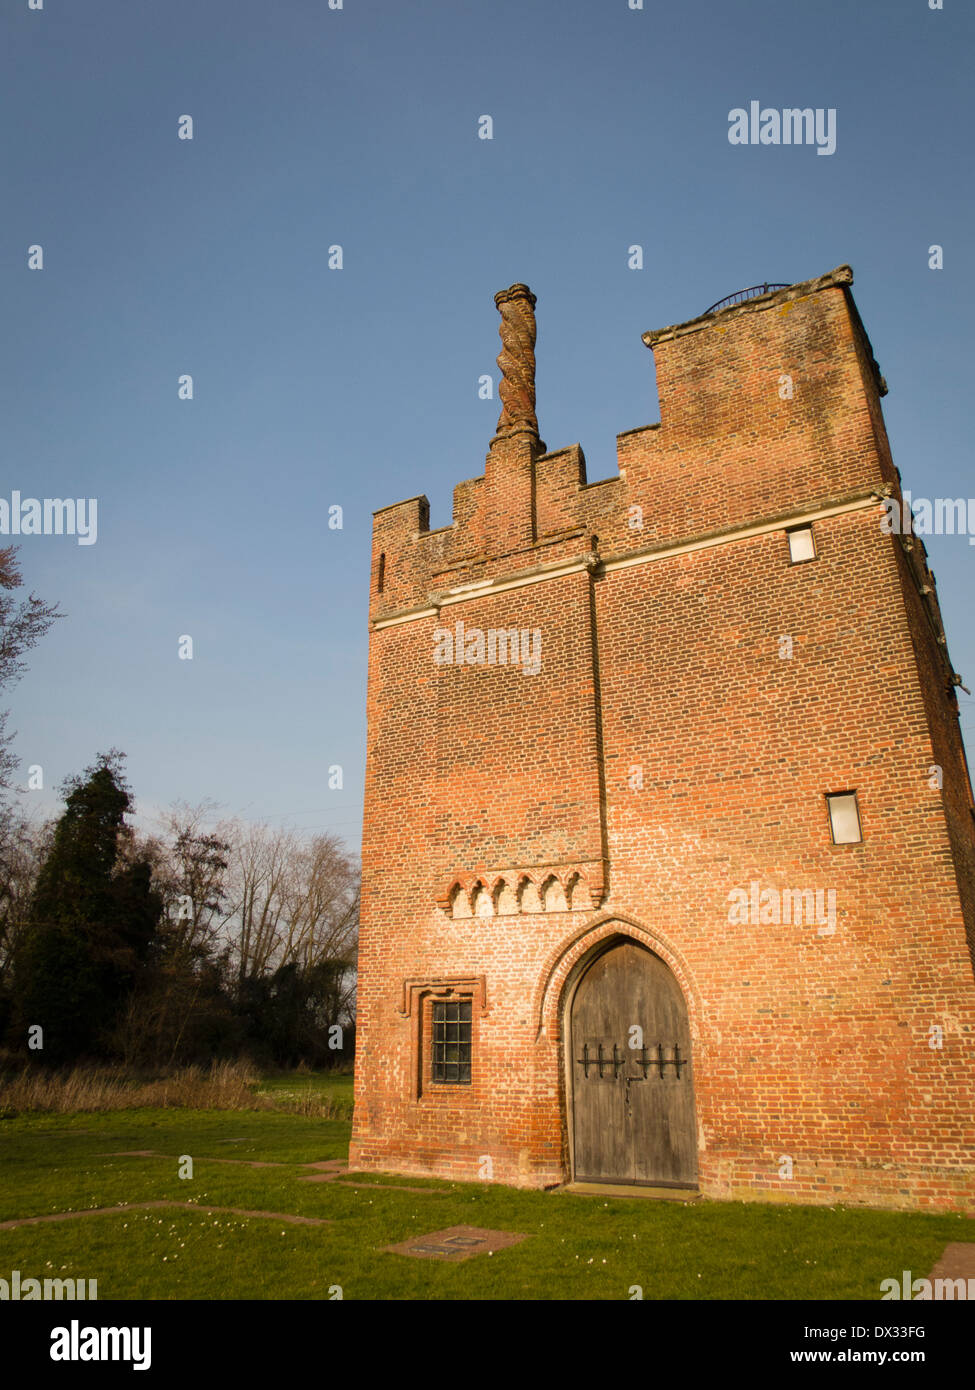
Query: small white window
(801, 544)
(844, 818)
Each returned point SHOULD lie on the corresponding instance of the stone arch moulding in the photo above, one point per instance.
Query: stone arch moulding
(560, 967)
(457, 903)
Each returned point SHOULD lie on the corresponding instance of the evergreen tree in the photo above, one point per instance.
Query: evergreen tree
(93, 916)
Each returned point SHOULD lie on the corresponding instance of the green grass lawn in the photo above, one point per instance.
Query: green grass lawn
(295, 1087)
(579, 1247)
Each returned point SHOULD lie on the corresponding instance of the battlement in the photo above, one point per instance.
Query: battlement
(768, 407)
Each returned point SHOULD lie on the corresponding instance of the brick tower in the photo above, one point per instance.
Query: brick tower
(669, 849)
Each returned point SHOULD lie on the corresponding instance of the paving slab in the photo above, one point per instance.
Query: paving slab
(455, 1243)
(605, 1189)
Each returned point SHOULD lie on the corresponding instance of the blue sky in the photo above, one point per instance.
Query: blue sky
(315, 387)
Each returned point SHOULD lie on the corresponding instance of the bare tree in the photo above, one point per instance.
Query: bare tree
(191, 870)
(260, 860)
(322, 903)
(290, 900)
(270, 910)
(21, 627)
(323, 917)
(24, 845)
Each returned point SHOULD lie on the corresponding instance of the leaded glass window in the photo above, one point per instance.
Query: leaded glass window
(452, 1041)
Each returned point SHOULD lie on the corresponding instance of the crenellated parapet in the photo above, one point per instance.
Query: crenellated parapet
(768, 408)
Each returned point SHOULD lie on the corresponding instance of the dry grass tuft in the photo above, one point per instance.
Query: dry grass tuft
(224, 1086)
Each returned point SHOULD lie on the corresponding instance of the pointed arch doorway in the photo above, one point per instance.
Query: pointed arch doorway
(630, 1091)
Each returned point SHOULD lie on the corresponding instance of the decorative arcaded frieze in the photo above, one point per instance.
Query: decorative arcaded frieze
(578, 887)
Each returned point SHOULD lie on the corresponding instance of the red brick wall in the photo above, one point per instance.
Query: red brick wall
(809, 1046)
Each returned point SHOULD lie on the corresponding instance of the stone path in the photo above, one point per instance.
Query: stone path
(957, 1262)
(326, 1169)
(149, 1206)
(153, 1153)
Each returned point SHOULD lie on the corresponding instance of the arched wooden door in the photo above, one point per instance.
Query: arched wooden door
(632, 1080)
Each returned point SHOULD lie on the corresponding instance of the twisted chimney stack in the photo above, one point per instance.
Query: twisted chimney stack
(516, 306)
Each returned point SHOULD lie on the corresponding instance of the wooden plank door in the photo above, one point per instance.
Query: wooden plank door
(632, 1086)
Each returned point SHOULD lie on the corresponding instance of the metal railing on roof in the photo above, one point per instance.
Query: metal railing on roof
(752, 292)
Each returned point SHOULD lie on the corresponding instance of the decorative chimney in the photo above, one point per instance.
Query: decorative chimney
(516, 359)
(510, 467)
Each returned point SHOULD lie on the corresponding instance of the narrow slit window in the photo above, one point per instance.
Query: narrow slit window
(801, 545)
(452, 1042)
(844, 818)
(381, 574)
